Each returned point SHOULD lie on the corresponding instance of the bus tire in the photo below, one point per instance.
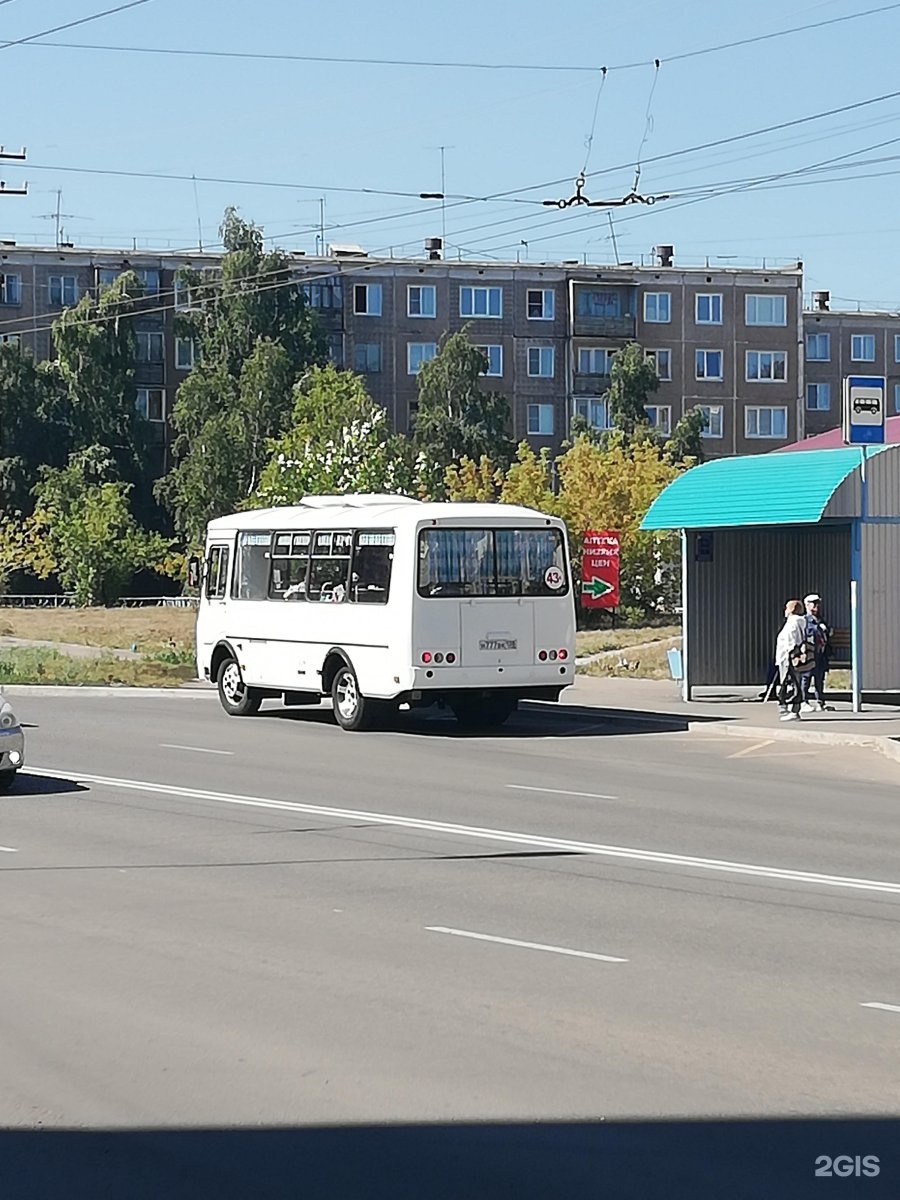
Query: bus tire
(352, 710)
(484, 712)
(236, 698)
(7, 779)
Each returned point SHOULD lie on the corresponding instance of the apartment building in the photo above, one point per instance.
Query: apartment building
(838, 344)
(729, 340)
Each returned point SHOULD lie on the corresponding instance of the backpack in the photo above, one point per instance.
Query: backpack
(803, 657)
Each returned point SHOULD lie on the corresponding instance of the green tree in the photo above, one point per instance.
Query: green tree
(468, 480)
(84, 533)
(34, 425)
(95, 355)
(339, 442)
(633, 381)
(457, 416)
(529, 481)
(256, 338)
(686, 442)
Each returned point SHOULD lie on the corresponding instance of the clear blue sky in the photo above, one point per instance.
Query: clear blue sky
(335, 125)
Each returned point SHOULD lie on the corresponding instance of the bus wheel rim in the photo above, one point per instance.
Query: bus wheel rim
(232, 684)
(347, 696)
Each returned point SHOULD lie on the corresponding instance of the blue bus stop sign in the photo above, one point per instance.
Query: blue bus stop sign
(864, 409)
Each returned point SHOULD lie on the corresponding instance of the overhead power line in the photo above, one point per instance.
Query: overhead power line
(432, 64)
(72, 24)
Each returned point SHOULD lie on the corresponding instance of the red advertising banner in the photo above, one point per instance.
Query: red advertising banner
(600, 569)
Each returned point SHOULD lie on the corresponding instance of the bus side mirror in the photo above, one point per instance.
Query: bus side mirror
(193, 571)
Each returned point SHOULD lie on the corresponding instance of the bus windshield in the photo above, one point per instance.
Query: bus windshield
(492, 562)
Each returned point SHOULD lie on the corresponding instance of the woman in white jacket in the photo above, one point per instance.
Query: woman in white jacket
(791, 635)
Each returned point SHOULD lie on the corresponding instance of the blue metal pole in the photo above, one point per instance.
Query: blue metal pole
(856, 631)
(685, 653)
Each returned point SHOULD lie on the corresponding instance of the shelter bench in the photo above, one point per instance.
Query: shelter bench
(840, 649)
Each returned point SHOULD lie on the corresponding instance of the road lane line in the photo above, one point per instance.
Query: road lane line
(8, 850)
(539, 841)
(195, 749)
(752, 749)
(885, 1007)
(524, 787)
(488, 937)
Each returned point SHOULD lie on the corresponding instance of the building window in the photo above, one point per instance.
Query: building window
(708, 364)
(657, 307)
(708, 309)
(481, 302)
(181, 295)
(818, 396)
(660, 417)
(185, 353)
(149, 280)
(328, 294)
(765, 422)
(336, 350)
(713, 418)
(897, 347)
(417, 354)
(766, 366)
(818, 347)
(107, 276)
(367, 299)
(11, 339)
(765, 310)
(541, 361)
(663, 360)
(421, 301)
(896, 393)
(10, 289)
(595, 360)
(494, 356)
(540, 419)
(62, 290)
(367, 358)
(862, 347)
(595, 412)
(148, 347)
(539, 303)
(151, 404)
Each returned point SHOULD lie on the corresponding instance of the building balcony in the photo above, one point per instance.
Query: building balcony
(584, 384)
(608, 327)
(149, 374)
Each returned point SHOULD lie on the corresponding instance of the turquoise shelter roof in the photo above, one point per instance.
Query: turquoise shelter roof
(758, 489)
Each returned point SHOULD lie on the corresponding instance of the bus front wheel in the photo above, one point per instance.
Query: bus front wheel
(352, 710)
(236, 698)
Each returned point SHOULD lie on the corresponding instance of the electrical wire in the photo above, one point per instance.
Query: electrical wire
(589, 141)
(109, 12)
(432, 64)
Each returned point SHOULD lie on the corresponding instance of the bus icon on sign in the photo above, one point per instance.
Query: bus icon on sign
(868, 404)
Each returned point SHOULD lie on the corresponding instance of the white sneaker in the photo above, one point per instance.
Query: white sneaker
(810, 707)
(823, 707)
(782, 708)
(791, 716)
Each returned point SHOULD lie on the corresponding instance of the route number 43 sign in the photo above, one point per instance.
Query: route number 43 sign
(600, 569)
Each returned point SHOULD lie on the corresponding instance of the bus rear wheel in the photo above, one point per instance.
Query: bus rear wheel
(483, 712)
(352, 710)
(236, 698)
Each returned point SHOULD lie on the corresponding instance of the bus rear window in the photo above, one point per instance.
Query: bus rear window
(492, 562)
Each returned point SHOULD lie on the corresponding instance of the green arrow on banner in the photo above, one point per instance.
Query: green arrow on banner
(595, 588)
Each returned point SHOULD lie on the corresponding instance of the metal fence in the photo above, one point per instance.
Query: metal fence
(67, 600)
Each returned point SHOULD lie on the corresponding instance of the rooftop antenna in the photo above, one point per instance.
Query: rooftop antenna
(197, 210)
(58, 217)
(612, 234)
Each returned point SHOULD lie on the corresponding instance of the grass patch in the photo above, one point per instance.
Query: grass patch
(152, 630)
(595, 641)
(650, 662)
(50, 667)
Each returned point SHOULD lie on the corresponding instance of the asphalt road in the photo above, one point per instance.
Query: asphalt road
(268, 922)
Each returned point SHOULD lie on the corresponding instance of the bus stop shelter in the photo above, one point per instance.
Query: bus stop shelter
(760, 530)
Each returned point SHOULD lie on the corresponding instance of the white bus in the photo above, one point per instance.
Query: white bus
(381, 601)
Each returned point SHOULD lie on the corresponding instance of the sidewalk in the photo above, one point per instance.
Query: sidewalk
(736, 712)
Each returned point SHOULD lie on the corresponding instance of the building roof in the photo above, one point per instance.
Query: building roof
(758, 489)
(831, 439)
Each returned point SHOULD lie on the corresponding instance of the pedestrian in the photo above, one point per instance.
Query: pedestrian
(818, 633)
(789, 646)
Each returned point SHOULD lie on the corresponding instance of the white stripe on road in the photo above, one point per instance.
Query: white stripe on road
(195, 749)
(8, 850)
(524, 787)
(488, 937)
(885, 1007)
(752, 749)
(621, 853)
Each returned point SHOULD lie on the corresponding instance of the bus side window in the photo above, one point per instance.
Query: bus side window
(373, 557)
(290, 562)
(329, 567)
(217, 573)
(251, 576)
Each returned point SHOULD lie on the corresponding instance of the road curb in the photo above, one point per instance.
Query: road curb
(74, 689)
(887, 746)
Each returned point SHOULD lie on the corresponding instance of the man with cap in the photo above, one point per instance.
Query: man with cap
(818, 633)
